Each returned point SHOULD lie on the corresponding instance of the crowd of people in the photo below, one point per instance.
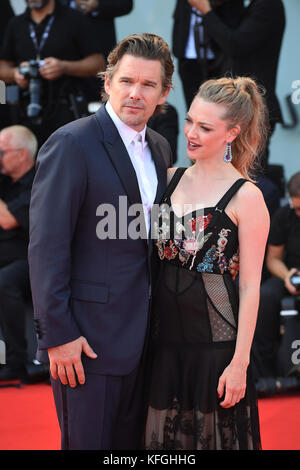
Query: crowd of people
(160, 338)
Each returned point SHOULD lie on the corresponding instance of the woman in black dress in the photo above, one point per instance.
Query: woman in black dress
(201, 394)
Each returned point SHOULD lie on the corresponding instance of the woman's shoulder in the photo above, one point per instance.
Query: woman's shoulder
(250, 190)
(171, 172)
(250, 200)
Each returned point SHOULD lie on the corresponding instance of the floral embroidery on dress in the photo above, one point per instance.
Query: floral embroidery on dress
(207, 264)
(222, 242)
(216, 252)
(182, 245)
(188, 239)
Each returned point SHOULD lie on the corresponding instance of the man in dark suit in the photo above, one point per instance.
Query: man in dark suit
(199, 56)
(90, 274)
(253, 48)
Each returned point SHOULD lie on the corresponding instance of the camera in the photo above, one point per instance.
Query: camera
(31, 71)
(295, 280)
(290, 306)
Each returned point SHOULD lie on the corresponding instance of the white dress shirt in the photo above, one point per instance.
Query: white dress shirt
(190, 50)
(141, 160)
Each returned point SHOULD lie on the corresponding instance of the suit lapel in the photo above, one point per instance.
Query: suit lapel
(121, 161)
(119, 157)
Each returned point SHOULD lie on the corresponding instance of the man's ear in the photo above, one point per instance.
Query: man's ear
(107, 84)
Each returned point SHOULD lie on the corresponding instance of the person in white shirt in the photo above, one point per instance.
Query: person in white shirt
(199, 57)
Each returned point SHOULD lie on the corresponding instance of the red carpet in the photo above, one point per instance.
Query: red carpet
(28, 420)
(279, 422)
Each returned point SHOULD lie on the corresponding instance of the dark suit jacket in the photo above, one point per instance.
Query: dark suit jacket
(82, 285)
(253, 48)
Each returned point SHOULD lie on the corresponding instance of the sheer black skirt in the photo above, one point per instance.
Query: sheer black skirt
(193, 332)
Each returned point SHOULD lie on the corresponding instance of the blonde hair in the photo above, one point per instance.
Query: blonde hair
(245, 106)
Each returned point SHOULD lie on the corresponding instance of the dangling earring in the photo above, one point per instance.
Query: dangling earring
(228, 154)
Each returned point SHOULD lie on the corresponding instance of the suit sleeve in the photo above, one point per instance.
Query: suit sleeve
(258, 26)
(57, 195)
(110, 9)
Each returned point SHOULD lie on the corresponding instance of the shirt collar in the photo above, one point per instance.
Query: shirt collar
(127, 133)
(27, 178)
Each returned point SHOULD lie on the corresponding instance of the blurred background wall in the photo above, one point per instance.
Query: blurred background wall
(155, 16)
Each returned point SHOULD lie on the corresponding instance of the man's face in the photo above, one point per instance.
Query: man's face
(9, 154)
(37, 4)
(136, 89)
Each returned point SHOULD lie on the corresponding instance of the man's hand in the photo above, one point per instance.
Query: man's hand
(7, 220)
(87, 6)
(287, 282)
(52, 69)
(202, 5)
(65, 361)
(20, 80)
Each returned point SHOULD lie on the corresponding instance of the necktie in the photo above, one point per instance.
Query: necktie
(200, 44)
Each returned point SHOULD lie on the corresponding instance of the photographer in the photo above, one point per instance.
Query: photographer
(283, 262)
(252, 48)
(62, 47)
(18, 147)
(199, 56)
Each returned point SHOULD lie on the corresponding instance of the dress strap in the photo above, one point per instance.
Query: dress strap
(173, 183)
(229, 194)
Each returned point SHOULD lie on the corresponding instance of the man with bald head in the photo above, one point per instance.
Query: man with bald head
(18, 147)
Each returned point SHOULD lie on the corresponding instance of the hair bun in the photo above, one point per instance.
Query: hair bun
(249, 85)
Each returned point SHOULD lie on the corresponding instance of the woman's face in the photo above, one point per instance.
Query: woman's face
(206, 131)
